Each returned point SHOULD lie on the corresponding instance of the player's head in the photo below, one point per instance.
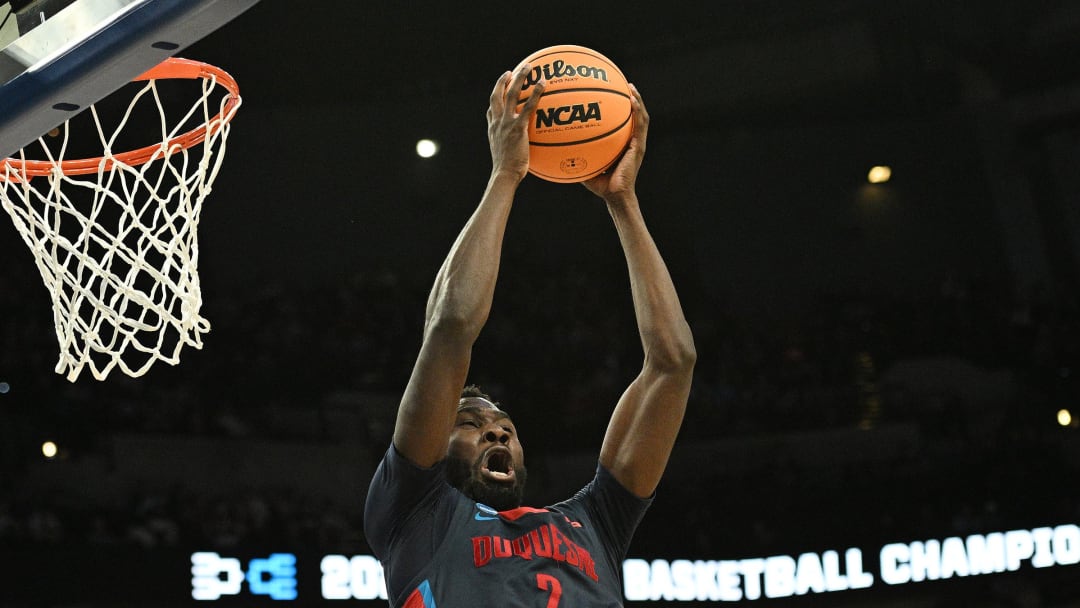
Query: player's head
(485, 459)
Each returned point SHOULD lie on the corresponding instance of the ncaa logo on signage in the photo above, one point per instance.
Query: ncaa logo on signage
(213, 576)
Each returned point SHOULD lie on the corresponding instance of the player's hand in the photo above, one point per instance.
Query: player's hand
(619, 180)
(508, 129)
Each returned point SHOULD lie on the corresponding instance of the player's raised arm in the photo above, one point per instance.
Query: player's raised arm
(646, 421)
(461, 297)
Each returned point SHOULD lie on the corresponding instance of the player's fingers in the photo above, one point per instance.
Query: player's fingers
(513, 92)
(495, 102)
(533, 100)
(641, 115)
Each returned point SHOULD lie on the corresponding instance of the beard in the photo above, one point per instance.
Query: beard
(500, 496)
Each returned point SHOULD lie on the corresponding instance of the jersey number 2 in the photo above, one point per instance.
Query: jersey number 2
(550, 583)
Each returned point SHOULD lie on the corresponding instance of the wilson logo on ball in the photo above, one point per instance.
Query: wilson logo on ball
(560, 69)
(565, 115)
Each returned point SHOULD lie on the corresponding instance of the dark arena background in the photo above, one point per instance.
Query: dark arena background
(886, 399)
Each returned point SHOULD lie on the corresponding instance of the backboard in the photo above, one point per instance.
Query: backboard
(57, 57)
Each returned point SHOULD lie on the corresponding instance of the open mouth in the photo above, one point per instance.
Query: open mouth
(498, 464)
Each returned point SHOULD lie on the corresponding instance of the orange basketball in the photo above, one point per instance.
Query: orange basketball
(583, 121)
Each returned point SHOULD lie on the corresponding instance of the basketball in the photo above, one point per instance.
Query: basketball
(583, 123)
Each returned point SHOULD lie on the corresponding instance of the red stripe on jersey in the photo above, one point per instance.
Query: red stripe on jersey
(515, 514)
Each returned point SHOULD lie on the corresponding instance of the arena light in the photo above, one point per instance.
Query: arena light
(426, 148)
(879, 174)
(1064, 417)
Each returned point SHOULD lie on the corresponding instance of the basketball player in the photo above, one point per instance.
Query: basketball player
(444, 511)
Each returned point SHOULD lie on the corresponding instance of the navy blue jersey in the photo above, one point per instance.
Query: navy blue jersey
(440, 549)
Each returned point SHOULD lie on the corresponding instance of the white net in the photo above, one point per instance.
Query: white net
(117, 246)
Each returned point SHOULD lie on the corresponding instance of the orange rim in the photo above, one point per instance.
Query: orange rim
(171, 68)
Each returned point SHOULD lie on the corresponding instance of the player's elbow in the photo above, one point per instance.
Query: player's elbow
(673, 353)
(446, 326)
(452, 313)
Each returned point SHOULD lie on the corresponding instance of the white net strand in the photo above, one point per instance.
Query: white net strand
(118, 248)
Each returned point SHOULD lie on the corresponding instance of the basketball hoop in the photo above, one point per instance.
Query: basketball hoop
(114, 234)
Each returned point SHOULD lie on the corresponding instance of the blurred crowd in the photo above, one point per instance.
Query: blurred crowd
(976, 368)
(258, 519)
